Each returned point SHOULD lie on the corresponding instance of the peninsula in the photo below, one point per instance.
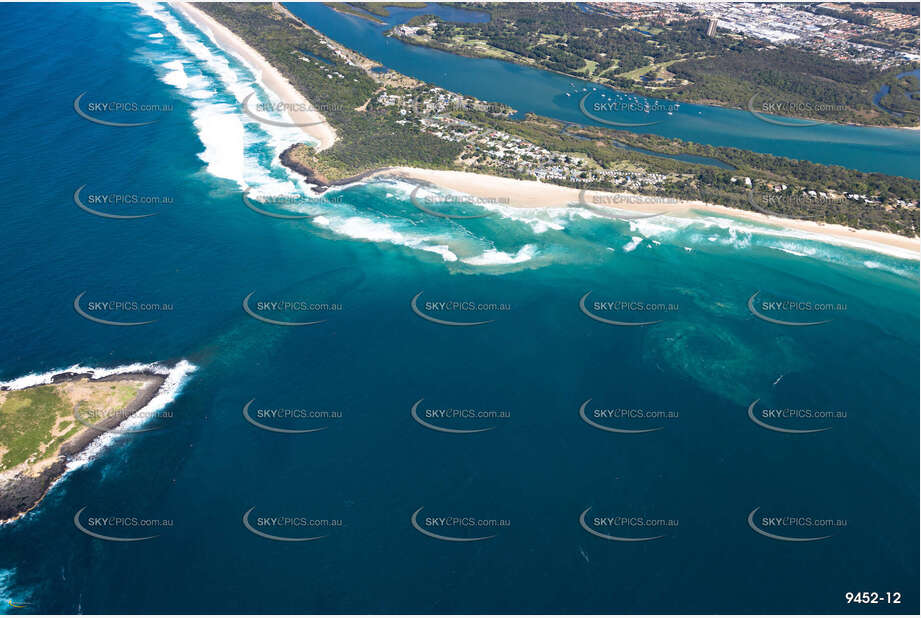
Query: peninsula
(383, 119)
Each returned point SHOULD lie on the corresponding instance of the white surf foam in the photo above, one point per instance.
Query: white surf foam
(738, 234)
(633, 244)
(743, 233)
(221, 132)
(235, 148)
(874, 265)
(176, 377)
(169, 390)
(34, 379)
(443, 250)
(176, 77)
(232, 141)
(494, 257)
(363, 228)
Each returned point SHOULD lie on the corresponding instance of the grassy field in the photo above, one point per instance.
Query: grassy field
(648, 69)
(380, 8)
(372, 11)
(35, 422)
(589, 68)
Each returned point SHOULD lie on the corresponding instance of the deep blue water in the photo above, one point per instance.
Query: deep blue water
(891, 151)
(371, 251)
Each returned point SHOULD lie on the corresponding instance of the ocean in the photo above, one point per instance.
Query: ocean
(715, 491)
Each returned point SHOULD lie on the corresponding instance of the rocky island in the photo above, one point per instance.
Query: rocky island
(45, 426)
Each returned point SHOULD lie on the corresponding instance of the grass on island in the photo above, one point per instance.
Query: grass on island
(371, 11)
(348, 9)
(36, 421)
(380, 8)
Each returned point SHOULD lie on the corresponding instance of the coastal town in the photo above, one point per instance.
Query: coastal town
(722, 52)
(435, 110)
(823, 29)
(460, 308)
(498, 151)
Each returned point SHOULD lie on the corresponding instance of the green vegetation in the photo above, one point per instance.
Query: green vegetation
(348, 159)
(380, 8)
(365, 140)
(712, 184)
(800, 83)
(561, 37)
(27, 418)
(906, 8)
(36, 421)
(372, 11)
(727, 70)
(842, 13)
(348, 9)
(902, 97)
(391, 134)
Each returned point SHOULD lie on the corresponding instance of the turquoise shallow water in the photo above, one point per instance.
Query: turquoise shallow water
(371, 252)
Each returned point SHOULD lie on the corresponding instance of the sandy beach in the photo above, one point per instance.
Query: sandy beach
(535, 194)
(299, 109)
(532, 193)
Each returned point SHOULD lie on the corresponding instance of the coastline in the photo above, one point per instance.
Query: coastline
(306, 118)
(20, 493)
(526, 193)
(318, 181)
(536, 194)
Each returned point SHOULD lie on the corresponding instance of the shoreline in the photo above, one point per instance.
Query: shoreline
(20, 493)
(318, 181)
(307, 118)
(530, 193)
(536, 194)
(410, 41)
